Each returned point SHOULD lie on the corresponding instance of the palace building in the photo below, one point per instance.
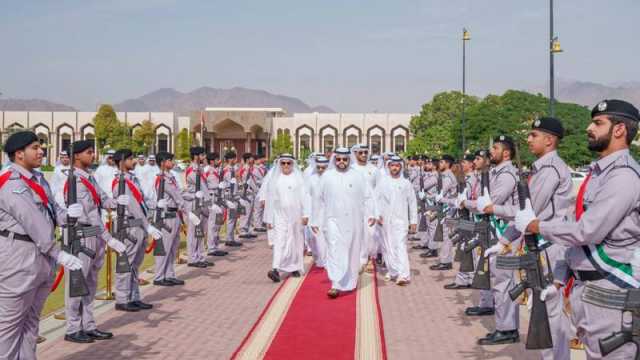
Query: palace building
(245, 129)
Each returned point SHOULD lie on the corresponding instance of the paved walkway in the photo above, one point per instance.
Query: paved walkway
(209, 316)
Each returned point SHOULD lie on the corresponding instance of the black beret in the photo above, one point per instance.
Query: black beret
(469, 157)
(19, 141)
(230, 155)
(448, 158)
(617, 108)
(213, 156)
(549, 125)
(64, 153)
(435, 160)
(424, 157)
(482, 153)
(508, 142)
(122, 154)
(81, 145)
(247, 156)
(414, 157)
(163, 155)
(196, 150)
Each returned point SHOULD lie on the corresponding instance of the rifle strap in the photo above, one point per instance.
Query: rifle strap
(137, 195)
(90, 187)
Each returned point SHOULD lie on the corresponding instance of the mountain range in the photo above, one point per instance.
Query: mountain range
(590, 93)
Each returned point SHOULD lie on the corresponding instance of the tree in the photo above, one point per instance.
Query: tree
(183, 143)
(281, 144)
(437, 128)
(110, 132)
(143, 138)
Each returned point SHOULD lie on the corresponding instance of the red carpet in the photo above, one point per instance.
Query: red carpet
(315, 326)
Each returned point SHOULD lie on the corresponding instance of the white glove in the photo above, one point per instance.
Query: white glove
(230, 205)
(548, 293)
(69, 261)
(117, 245)
(123, 200)
(460, 199)
(233, 181)
(439, 197)
(635, 264)
(199, 194)
(244, 203)
(525, 217)
(222, 185)
(154, 232)
(421, 195)
(194, 219)
(216, 209)
(495, 249)
(74, 210)
(162, 204)
(483, 201)
(529, 302)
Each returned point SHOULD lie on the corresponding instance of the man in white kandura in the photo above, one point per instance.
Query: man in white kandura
(316, 242)
(286, 214)
(345, 198)
(360, 162)
(397, 213)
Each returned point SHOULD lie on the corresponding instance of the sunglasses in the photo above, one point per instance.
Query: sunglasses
(342, 159)
(364, 152)
(288, 163)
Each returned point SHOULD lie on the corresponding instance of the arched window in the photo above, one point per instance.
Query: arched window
(163, 142)
(376, 144)
(287, 131)
(328, 142)
(398, 142)
(352, 140)
(65, 141)
(305, 142)
(279, 132)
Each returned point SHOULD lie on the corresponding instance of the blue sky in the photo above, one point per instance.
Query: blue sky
(352, 55)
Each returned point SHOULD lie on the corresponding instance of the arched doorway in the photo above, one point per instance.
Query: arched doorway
(229, 135)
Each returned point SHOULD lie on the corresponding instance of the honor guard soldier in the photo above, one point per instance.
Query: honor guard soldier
(81, 324)
(127, 287)
(216, 214)
(603, 249)
(501, 197)
(170, 205)
(251, 178)
(196, 198)
(28, 255)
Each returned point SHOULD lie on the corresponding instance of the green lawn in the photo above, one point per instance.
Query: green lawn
(55, 301)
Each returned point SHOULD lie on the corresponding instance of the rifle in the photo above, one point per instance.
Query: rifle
(539, 334)
(626, 301)
(461, 232)
(119, 231)
(220, 199)
(422, 222)
(439, 235)
(72, 235)
(482, 275)
(198, 205)
(158, 219)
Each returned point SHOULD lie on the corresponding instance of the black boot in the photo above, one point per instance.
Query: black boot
(500, 338)
(274, 275)
(78, 337)
(99, 335)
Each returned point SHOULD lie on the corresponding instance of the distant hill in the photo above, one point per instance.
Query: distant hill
(590, 93)
(168, 99)
(32, 105)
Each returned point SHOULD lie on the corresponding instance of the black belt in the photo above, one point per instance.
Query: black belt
(23, 237)
(589, 275)
(172, 209)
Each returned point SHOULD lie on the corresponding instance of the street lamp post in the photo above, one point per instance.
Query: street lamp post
(554, 47)
(466, 36)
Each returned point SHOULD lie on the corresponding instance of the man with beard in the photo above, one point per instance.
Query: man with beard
(214, 175)
(195, 246)
(286, 214)
(501, 195)
(447, 194)
(427, 194)
(603, 249)
(344, 200)
(360, 163)
(317, 243)
(397, 214)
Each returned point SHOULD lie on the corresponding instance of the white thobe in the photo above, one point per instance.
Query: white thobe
(317, 242)
(104, 176)
(397, 206)
(371, 242)
(60, 175)
(287, 203)
(344, 200)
